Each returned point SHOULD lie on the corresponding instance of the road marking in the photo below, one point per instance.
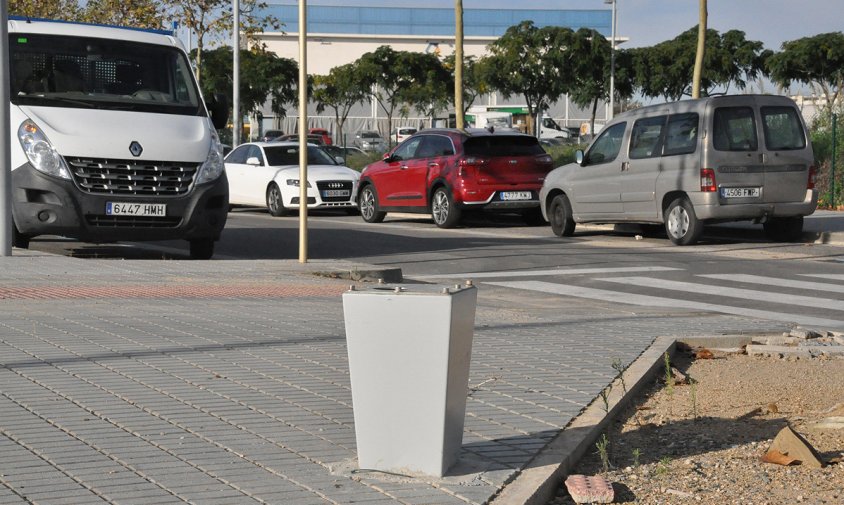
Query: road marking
(553, 271)
(657, 301)
(746, 294)
(831, 277)
(776, 281)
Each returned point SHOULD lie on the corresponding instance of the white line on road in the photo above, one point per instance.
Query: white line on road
(745, 294)
(831, 277)
(553, 271)
(776, 281)
(656, 301)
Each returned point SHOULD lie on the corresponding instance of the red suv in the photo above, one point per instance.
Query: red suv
(447, 171)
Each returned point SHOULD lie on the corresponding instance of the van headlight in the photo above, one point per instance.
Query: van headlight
(213, 166)
(40, 152)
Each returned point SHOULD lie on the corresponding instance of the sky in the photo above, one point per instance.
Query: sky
(647, 22)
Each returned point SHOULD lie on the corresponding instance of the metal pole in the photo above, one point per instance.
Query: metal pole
(303, 132)
(611, 113)
(458, 63)
(832, 163)
(5, 137)
(236, 117)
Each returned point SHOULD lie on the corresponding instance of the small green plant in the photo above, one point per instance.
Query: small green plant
(664, 465)
(636, 454)
(618, 366)
(605, 397)
(669, 377)
(693, 396)
(602, 444)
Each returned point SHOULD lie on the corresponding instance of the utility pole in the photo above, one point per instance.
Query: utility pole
(701, 48)
(236, 117)
(303, 131)
(5, 134)
(458, 63)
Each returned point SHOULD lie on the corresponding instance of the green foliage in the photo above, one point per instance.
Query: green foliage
(821, 134)
(340, 90)
(264, 76)
(637, 453)
(817, 61)
(563, 155)
(669, 377)
(432, 88)
(533, 62)
(603, 452)
(666, 69)
(141, 14)
(474, 81)
(359, 161)
(65, 10)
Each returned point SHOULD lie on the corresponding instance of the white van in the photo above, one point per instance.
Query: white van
(689, 163)
(111, 139)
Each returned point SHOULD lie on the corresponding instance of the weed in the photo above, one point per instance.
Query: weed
(663, 467)
(636, 453)
(693, 396)
(669, 377)
(605, 397)
(618, 366)
(603, 453)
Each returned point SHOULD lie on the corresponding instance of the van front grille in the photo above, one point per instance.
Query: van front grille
(133, 221)
(132, 177)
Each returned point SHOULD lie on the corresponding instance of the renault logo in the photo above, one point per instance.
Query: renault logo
(135, 148)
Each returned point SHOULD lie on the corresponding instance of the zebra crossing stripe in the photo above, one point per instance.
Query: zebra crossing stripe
(554, 271)
(832, 277)
(747, 294)
(658, 301)
(776, 281)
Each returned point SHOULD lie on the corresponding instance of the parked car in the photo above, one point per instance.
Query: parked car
(323, 133)
(294, 137)
(401, 133)
(270, 135)
(370, 141)
(339, 152)
(267, 173)
(684, 164)
(444, 171)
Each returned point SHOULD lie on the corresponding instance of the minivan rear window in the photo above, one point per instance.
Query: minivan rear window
(502, 145)
(783, 130)
(735, 129)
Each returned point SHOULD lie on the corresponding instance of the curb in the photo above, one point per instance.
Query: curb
(385, 275)
(537, 483)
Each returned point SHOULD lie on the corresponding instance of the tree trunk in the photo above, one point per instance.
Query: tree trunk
(701, 49)
(594, 112)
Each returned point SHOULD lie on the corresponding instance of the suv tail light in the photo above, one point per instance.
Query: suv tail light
(468, 163)
(813, 177)
(707, 180)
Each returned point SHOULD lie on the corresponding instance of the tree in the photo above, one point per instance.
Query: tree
(666, 69)
(432, 89)
(816, 61)
(138, 13)
(265, 76)
(390, 74)
(531, 61)
(66, 10)
(340, 90)
(474, 80)
(213, 18)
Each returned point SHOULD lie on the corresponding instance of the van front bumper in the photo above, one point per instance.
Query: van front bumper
(44, 205)
(709, 207)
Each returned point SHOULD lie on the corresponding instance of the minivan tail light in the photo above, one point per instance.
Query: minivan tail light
(707, 180)
(813, 177)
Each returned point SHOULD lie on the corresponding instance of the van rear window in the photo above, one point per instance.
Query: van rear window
(735, 129)
(783, 130)
(502, 145)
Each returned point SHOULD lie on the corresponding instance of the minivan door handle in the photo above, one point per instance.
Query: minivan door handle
(625, 165)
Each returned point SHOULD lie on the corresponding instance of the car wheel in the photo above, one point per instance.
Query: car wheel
(368, 205)
(559, 213)
(681, 224)
(201, 249)
(533, 217)
(443, 210)
(19, 240)
(784, 229)
(274, 202)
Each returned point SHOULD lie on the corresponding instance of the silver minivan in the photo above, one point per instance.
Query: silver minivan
(689, 163)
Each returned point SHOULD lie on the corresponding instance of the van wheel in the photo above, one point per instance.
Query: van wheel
(275, 204)
(19, 240)
(368, 205)
(443, 210)
(681, 224)
(201, 249)
(784, 229)
(559, 213)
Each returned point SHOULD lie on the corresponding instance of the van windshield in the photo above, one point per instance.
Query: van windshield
(93, 73)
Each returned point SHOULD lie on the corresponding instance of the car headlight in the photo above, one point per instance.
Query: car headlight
(40, 152)
(295, 182)
(213, 166)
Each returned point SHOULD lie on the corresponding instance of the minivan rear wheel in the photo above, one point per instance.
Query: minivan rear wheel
(443, 210)
(784, 229)
(559, 213)
(681, 224)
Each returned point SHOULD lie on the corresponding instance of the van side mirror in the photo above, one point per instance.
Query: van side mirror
(579, 158)
(218, 108)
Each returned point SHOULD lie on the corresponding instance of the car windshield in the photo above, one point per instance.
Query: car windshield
(84, 72)
(502, 145)
(289, 155)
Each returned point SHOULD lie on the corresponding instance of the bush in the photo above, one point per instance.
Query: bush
(563, 155)
(821, 134)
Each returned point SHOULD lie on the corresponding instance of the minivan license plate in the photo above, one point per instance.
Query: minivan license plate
(740, 192)
(135, 209)
(516, 195)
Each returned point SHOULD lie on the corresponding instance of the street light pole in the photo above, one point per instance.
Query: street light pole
(458, 64)
(611, 112)
(303, 131)
(236, 117)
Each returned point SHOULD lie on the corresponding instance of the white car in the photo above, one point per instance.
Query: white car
(267, 174)
(401, 133)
